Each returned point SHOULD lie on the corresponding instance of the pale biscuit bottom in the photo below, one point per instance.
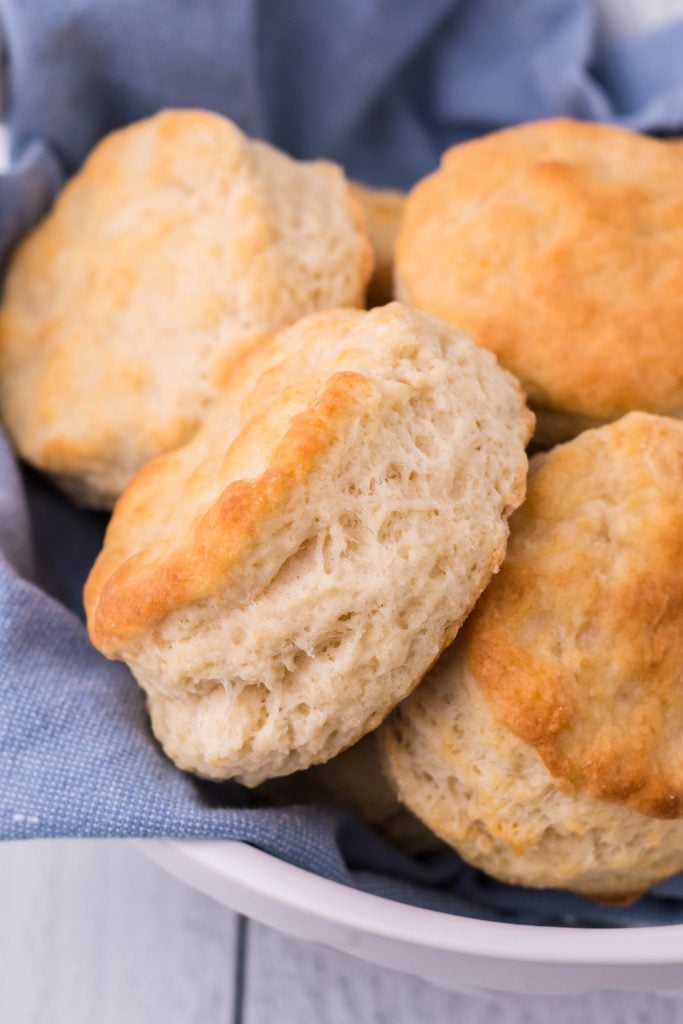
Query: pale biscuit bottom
(489, 795)
(280, 583)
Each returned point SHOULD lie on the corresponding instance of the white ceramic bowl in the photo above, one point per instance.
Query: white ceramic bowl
(455, 952)
(458, 953)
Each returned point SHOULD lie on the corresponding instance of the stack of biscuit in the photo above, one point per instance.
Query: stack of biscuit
(312, 498)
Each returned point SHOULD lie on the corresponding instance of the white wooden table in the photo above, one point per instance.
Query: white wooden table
(93, 933)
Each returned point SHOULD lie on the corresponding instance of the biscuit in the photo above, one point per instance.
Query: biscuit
(177, 247)
(383, 209)
(559, 246)
(282, 581)
(547, 745)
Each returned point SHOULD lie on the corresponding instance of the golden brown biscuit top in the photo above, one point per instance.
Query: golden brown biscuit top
(578, 642)
(191, 521)
(255, 448)
(558, 245)
(178, 245)
(383, 210)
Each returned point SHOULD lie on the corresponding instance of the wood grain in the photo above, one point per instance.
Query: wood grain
(287, 980)
(92, 933)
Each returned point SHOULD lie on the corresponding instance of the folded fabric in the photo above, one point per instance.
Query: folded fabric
(383, 87)
(77, 757)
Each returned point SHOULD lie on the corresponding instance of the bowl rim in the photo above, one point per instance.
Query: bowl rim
(301, 891)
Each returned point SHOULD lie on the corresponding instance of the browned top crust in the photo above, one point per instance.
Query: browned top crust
(578, 642)
(146, 569)
(190, 522)
(179, 245)
(559, 246)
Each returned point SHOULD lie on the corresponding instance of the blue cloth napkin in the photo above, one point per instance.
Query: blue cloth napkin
(383, 86)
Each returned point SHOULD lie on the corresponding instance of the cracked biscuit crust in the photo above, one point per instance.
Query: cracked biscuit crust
(545, 746)
(280, 582)
(578, 644)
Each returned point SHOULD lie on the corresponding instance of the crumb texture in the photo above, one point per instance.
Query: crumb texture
(547, 749)
(490, 796)
(282, 581)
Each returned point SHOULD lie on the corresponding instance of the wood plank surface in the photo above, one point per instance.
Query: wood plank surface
(291, 981)
(93, 933)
